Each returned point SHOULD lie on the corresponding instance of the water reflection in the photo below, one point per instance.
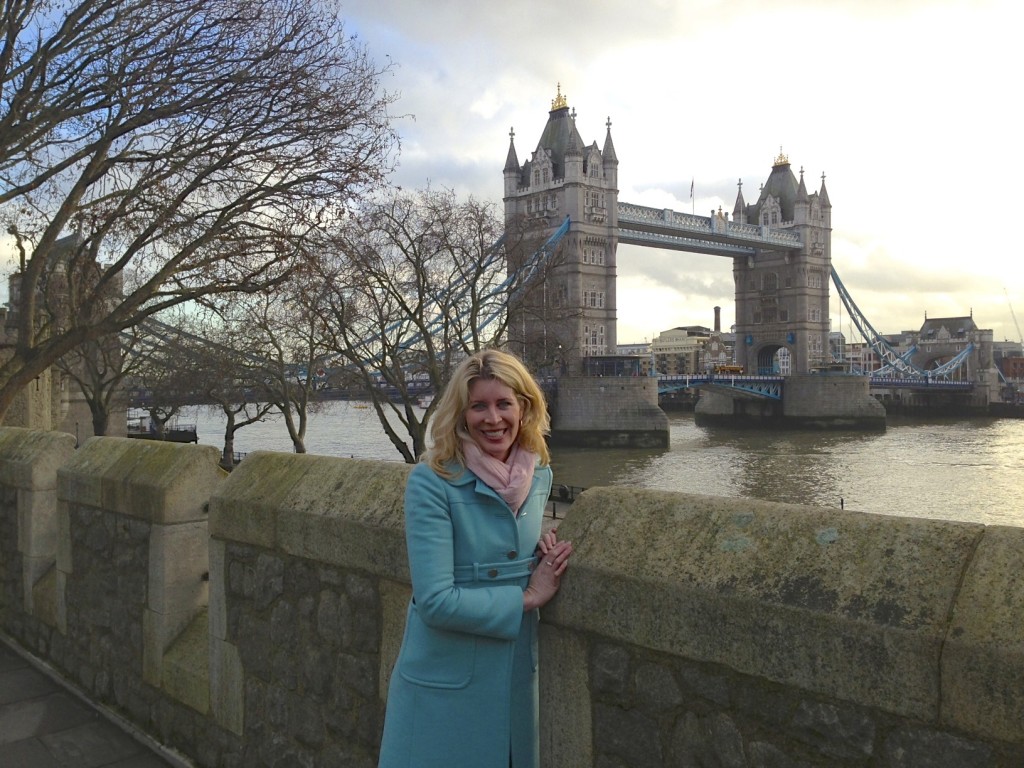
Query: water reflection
(957, 470)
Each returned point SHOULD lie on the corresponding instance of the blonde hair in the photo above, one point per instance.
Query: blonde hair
(448, 426)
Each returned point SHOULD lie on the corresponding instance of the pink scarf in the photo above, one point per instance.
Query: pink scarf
(509, 479)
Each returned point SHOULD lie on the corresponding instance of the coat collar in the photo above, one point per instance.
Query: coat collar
(464, 477)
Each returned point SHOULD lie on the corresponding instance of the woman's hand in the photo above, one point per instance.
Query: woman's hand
(546, 577)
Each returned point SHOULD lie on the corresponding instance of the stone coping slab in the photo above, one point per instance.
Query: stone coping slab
(845, 604)
(346, 512)
(29, 459)
(153, 480)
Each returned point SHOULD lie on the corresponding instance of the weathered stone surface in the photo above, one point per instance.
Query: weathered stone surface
(744, 634)
(911, 747)
(149, 479)
(628, 734)
(835, 731)
(610, 669)
(983, 660)
(839, 603)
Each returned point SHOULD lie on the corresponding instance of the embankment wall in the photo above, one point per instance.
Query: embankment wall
(252, 619)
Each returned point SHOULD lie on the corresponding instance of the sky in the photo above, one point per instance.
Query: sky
(909, 108)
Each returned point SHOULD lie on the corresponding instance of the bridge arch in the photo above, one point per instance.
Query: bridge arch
(774, 360)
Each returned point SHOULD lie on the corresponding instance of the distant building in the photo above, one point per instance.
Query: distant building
(679, 350)
(640, 351)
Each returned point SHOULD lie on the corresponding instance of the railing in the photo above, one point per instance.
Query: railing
(629, 213)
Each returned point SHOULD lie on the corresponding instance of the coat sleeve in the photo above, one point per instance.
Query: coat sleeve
(491, 611)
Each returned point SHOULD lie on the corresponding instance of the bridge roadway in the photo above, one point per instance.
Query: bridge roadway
(771, 387)
(715, 235)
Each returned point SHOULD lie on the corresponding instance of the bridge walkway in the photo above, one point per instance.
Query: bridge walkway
(46, 724)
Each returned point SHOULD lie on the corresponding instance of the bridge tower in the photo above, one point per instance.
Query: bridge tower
(570, 316)
(782, 312)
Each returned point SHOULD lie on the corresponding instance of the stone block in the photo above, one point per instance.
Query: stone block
(30, 459)
(42, 597)
(178, 567)
(839, 603)
(64, 559)
(227, 685)
(218, 608)
(330, 510)
(148, 479)
(983, 660)
(246, 507)
(159, 631)
(566, 730)
(37, 523)
(186, 666)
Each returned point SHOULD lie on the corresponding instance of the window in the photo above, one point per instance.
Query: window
(815, 314)
(814, 279)
(770, 281)
(546, 176)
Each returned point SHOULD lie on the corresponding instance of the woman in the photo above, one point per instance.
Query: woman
(464, 689)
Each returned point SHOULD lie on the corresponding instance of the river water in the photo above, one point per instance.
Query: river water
(963, 469)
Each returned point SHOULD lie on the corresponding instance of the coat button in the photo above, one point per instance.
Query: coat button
(493, 573)
(513, 555)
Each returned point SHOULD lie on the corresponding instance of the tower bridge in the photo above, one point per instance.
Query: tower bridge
(780, 247)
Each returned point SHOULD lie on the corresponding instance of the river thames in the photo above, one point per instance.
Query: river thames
(963, 469)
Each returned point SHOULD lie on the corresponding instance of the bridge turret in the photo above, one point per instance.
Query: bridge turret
(574, 152)
(511, 166)
(739, 211)
(802, 204)
(825, 203)
(609, 159)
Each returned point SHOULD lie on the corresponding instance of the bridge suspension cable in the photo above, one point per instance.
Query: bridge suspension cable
(891, 359)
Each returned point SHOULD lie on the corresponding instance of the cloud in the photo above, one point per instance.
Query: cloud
(903, 104)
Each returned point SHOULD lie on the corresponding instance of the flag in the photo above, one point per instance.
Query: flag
(691, 189)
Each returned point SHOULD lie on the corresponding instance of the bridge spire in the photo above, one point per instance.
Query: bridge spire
(608, 154)
(739, 211)
(512, 160)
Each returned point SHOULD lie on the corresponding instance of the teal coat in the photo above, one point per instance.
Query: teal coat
(463, 693)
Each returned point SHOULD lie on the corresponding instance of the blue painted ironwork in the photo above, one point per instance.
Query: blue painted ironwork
(762, 387)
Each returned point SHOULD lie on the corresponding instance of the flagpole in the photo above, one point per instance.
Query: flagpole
(693, 203)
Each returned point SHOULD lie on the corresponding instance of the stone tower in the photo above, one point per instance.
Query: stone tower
(569, 316)
(782, 319)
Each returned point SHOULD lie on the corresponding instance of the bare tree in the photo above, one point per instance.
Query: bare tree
(190, 149)
(225, 374)
(284, 343)
(99, 369)
(420, 283)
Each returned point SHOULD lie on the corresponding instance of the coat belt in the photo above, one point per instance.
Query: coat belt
(488, 572)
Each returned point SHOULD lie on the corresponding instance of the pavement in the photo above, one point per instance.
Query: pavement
(44, 724)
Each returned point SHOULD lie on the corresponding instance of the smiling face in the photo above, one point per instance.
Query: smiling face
(492, 417)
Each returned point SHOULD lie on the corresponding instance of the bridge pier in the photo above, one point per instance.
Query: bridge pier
(809, 401)
(608, 412)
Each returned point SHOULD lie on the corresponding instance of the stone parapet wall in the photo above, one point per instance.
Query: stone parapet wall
(690, 630)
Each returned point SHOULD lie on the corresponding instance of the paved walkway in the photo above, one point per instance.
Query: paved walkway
(44, 725)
